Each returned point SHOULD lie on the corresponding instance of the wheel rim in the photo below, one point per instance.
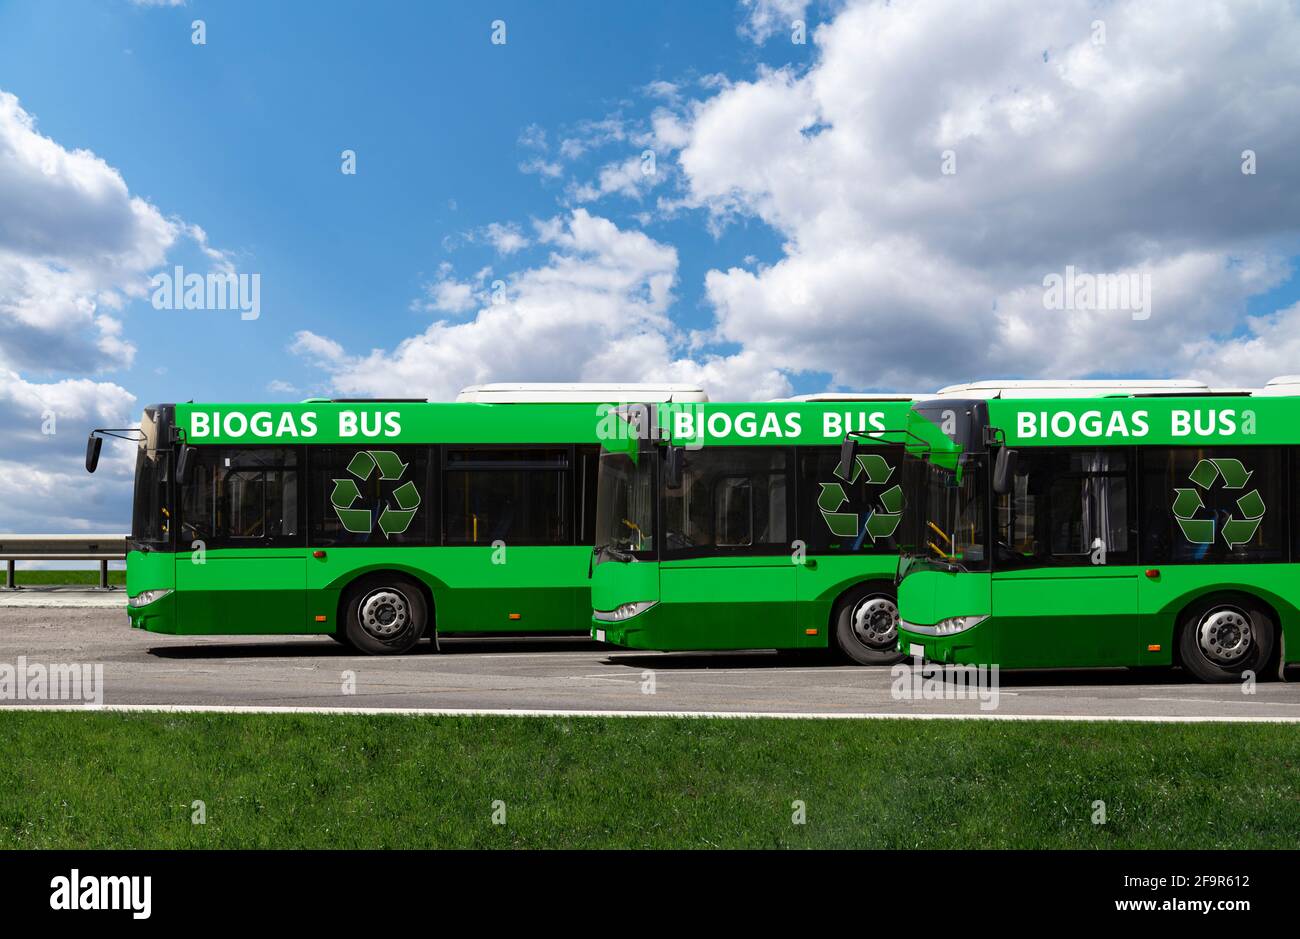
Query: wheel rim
(875, 622)
(1225, 636)
(384, 613)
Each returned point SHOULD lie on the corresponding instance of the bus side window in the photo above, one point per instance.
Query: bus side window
(235, 496)
(519, 496)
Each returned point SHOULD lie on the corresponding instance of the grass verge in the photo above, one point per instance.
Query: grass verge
(87, 780)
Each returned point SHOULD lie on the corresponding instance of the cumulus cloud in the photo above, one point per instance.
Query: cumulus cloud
(44, 426)
(505, 237)
(938, 161)
(765, 18)
(927, 174)
(75, 245)
(75, 248)
(596, 310)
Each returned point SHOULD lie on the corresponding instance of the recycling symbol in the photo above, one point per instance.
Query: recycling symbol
(879, 524)
(1187, 502)
(346, 494)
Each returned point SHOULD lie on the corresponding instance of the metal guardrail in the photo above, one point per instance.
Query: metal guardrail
(101, 548)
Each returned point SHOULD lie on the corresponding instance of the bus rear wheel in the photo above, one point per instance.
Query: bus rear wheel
(865, 621)
(385, 615)
(1223, 638)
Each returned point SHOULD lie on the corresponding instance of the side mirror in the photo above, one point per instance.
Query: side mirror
(674, 462)
(848, 450)
(183, 463)
(93, 446)
(1004, 471)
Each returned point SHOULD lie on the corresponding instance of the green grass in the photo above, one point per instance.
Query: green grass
(86, 780)
(33, 578)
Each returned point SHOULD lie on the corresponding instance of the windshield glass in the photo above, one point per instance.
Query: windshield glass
(625, 498)
(151, 510)
(950, 523)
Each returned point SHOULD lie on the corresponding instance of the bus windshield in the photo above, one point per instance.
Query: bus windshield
(151, 510)
(949, 527)
(625, 500)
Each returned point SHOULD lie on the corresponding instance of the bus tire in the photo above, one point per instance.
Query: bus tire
(341, 638)
(1223, 637)
(385, 614)
(865, 624)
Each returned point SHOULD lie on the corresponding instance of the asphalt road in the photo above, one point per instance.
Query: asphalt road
(571, 674)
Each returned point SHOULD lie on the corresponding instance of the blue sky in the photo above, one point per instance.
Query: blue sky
(243, 136)
(878, 207)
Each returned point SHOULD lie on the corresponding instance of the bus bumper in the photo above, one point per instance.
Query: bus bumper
(974, 646)
(639, 632)
(156, 617)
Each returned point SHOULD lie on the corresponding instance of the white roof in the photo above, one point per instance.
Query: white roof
(851, 396)
(1075, 388)
(581, 392)
(1282, 385)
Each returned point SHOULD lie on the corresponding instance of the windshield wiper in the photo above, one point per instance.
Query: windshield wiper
(600, 552)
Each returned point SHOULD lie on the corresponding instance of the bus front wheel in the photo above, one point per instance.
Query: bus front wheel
(385, 615)
(1223, 638)
(865, 621)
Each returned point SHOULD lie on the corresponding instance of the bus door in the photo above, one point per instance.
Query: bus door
(1065, 582)
(726, 578)
(241, 558)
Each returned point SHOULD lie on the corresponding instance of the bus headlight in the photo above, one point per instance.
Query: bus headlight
(623, 611)
(145, 597)
(945, 627)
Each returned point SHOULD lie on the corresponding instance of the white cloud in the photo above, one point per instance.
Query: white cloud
(595, 311)
(1122, 157)
(630, 177)
(446, 294)
(765, 18)
(1116, 157)
(76, 247)
(506, 238)
(44, 426)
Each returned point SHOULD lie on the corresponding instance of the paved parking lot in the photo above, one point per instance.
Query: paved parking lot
(572, 674)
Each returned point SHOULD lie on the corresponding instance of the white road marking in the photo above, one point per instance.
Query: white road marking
(555, 712)
(1284, 704)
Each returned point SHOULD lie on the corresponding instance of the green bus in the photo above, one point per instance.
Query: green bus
(375, 522)
(735, 526)
(1124, 525)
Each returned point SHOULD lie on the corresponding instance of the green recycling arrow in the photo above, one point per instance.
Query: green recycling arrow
(344, 496)
(1233, 473)
(392, 521)
(878, 525)
(1187, 502)
(842, 524)
(882, 525)
(874, 465)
